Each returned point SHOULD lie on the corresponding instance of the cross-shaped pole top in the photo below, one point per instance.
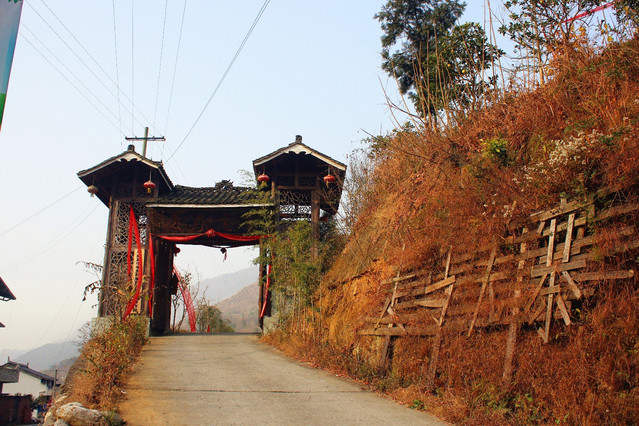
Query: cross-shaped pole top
(145, 139)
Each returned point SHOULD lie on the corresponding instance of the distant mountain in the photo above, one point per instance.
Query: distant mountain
(241, 309)
(47, 356)
(61, 369)
(225, 286)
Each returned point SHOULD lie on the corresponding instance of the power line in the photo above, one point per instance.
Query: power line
(69, 71)
(157, 91)
(132, 58)
(51, 244)
(83, 62)
(177, 55)
(117, 68)
(38, 212)
(228, 69)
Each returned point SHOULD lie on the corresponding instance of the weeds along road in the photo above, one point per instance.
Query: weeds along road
(235, 379)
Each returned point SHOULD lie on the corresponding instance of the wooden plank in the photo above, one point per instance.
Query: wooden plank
(541, 270)
(443, 283)
(551, 242)
(483, 289)
(617, 211)
(571, 283)
(431, 303)
(399, 279)
(606, 275)
(549, 309)
(434, 359)
(386, 305)
(419, 291)
(550, 290)
(513, 327)
(448, 291)
(563, 226)
(536, 292)
(571, 223)
(532, 318)
(558, 211)
(540, 227)
(562, 309)
(396, 331)
(395, 318)
(447, 268)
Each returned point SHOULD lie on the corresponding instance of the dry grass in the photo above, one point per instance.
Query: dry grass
(463, 186)
(96, 379)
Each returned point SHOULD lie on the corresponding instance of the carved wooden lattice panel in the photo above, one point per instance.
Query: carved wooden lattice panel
(121, 222)
(295, 204)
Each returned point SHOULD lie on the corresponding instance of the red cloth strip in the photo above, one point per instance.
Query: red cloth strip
(268, 284)
(210, 234)
(188, 301)
(589, 12)
(138, 243)
(152, 283)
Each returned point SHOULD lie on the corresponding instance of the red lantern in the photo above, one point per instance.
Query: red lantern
(92, 190)
(263, 178)
(329, 179)
(149, 185)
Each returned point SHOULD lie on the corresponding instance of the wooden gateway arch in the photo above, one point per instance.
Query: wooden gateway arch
(149, 215)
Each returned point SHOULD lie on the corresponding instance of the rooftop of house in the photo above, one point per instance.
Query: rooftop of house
(5, 293)
(27, 370)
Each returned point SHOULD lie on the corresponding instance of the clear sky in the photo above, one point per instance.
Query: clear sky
(309, 68)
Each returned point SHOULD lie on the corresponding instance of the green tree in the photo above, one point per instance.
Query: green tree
(437, 63)
(538, 27)
(209, 319)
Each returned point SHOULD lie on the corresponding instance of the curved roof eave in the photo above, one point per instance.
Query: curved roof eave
(299, 148)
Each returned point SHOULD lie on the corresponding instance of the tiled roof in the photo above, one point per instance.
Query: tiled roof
(298, 147)
(26, 369)
(5, 293)
(222, 194)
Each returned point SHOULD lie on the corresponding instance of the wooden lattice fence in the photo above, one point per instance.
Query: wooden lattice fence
(533, 277)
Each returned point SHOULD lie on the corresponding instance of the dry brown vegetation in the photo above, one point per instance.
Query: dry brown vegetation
(97, 377)
(464, 186)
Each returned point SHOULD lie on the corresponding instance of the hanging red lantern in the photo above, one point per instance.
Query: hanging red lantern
(329, 178)
(92, 189)
(149, 185)
(263, 178)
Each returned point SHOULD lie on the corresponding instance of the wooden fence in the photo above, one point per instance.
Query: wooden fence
(532, 277)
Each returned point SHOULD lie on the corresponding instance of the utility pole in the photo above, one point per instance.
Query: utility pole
(146, 138)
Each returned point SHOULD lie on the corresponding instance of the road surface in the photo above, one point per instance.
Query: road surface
(236, 380)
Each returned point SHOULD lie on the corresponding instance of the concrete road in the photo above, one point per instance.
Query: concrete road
(236, 380)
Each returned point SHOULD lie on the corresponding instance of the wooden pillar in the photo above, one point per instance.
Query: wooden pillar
(261, 281)
(161, 320)
(315, 212)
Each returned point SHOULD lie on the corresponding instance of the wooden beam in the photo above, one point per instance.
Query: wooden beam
(483, 289)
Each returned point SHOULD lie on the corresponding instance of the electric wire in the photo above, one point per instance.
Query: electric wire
(117, 68)
(6, 231)
(157, 91)
(132, 59)
(85, 64)
(87, 89)
(115, 82)
(177, 56)
(52, 243)
(228, 69)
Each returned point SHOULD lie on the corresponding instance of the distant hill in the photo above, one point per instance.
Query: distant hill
(61, 369)
(225, 286)
(47, 356)
(241, 309)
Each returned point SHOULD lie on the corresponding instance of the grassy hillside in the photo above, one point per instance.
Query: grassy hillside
(467, 185)
(241, 309)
